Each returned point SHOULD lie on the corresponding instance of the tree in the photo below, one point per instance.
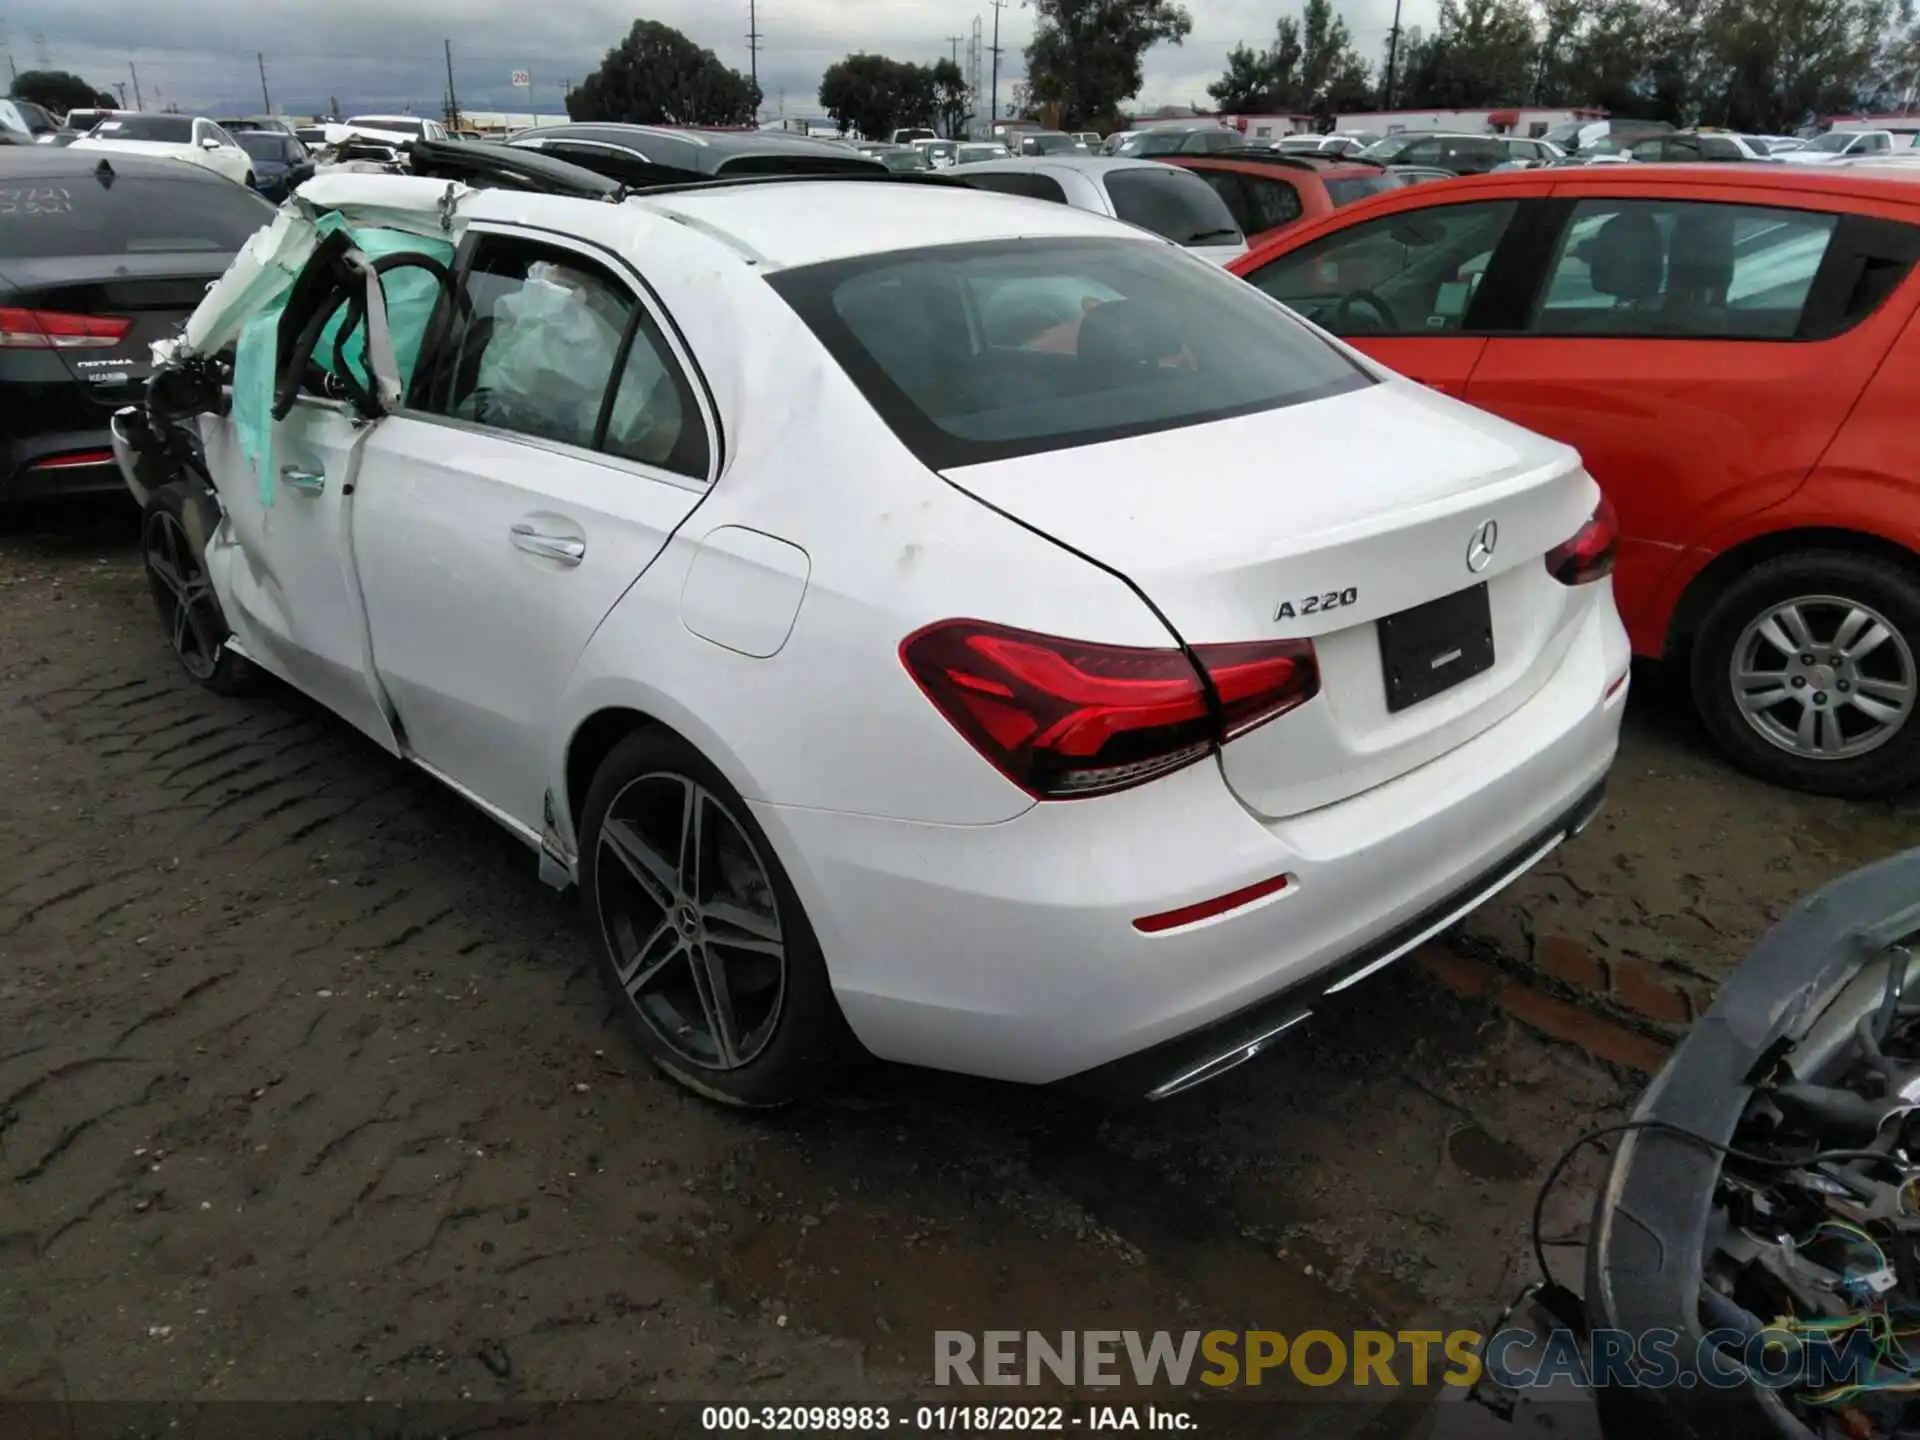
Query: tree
(1598, 53)
(955, 101)
(56, 90)
(1481, 54)
(875, 96)
(657, 76)
(1085, 58)
(1771, 66)
(1311, 68)
(104, 101)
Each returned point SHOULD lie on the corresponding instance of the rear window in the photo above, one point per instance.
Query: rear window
(1044, 144)
(1345, 189)
(77, 215)
(267, 145)
(397, 127)
(974, 353)
(167, 129)
(1175, 203)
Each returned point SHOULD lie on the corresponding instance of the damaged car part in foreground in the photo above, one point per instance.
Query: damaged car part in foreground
(1754, 1262)
(793, 567)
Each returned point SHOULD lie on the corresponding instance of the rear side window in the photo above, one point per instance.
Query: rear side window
(166, 129)
(1019, 182)
(132, 215)
(974, 353)
(1345, 189)
(1683, 269)
(1175, 203)
(557, 349)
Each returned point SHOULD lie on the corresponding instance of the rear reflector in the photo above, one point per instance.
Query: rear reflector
(1588, 556)
(79, 460)
(1207, 909)
(56, 330)
(1067, 718)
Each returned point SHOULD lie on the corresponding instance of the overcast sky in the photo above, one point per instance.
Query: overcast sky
(386, 54)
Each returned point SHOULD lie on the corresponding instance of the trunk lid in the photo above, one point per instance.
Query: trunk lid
(1323, 520)
(155, 292)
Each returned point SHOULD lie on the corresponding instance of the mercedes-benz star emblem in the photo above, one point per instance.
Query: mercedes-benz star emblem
(1480, 547)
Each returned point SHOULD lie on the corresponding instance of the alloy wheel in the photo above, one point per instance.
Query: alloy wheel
(1824, 677)
(690, 917)
(184, 594)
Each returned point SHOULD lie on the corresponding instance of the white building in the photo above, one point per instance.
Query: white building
(1524, 121)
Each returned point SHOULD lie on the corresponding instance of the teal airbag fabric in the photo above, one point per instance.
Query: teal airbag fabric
(411, 295)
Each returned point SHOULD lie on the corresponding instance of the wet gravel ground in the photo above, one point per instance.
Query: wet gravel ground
(308, 1091)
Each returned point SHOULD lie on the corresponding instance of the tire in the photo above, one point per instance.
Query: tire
(1856, 618)
(189, 610)
(786, 1039)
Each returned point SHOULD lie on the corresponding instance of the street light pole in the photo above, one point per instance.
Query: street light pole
(266, 100)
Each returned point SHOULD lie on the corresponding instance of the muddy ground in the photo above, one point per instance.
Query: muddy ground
(308, 1091)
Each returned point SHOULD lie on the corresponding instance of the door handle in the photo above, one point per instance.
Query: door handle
(307, 482)
(565, 548)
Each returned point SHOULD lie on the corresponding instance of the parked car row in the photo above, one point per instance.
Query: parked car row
(1644, 350)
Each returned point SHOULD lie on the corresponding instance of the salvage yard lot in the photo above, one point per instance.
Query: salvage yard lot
(308, 1088)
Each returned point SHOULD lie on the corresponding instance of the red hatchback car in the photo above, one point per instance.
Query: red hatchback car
(1267, 191)
(1734, 351)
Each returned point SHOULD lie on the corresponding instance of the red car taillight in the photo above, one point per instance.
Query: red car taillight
(1066, 718)
(1588, 555)
(56, 330)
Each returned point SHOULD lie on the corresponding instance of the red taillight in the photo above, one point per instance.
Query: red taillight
(76, 460)
(56, 330)
(1588, 555)
(1065, 718)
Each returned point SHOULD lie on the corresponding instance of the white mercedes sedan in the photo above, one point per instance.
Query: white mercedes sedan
(967, 630)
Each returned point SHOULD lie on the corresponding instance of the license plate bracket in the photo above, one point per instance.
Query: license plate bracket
(1433, 647)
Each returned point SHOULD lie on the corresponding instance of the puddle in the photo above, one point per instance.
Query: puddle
(1486, 1157)
(885, 1227)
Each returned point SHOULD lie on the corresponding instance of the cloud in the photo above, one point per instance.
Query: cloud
(381, 54)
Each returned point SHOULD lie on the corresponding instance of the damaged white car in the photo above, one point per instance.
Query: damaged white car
(919, 620)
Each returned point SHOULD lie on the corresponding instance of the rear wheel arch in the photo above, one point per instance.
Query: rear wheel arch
(606, 728)
(1697, 599)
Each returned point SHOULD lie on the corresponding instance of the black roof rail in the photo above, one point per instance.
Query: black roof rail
(485, 164)
(936, 178)
(1292, 159)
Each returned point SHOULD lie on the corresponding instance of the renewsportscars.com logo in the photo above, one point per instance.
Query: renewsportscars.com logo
(1517, 1359)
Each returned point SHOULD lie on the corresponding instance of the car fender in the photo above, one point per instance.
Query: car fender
(1879, 506)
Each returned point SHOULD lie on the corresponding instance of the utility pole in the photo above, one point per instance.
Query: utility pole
(753, 41)
(954, 41)
(1393, 54)
(121, 86)
(993, 105)
(134, 71)
(453, 101)
(266, 100)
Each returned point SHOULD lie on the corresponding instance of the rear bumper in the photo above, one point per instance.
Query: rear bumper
(45, 430)
(1010, 950)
